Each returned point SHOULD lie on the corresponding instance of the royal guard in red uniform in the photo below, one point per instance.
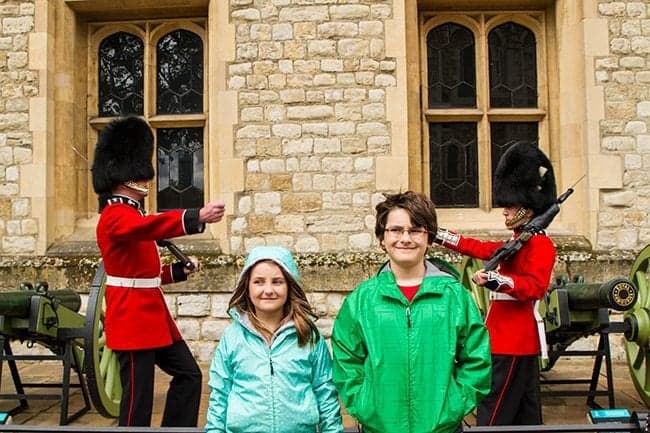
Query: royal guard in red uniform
(524, 184)
(138, 324)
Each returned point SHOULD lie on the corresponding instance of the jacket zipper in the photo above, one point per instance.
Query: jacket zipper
(271, 389)
(408, 316)
(408, 366)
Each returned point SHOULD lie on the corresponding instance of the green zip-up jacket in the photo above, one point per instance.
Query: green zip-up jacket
(415, 367)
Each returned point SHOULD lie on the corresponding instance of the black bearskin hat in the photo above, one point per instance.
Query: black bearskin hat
(123, 152)
(524, 176)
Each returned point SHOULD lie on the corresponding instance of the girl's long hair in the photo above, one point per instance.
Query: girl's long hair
(296, 307)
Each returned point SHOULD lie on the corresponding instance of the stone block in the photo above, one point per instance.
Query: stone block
(304, 13)
(281, 182)
(193, 305)
(302, 182)
(260, 224)
(303, 146)
(290, 224)
(337, 29)
(349, 12)
(307, 244)
(301, 202)
(212, 330)
(190, 329)
(267, 203)
(335, 164)
(258, 182)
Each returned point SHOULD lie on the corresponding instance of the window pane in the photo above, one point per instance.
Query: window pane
(451, 65)
(180, 73)
(120, 75)
(505, 134)
(513, 67)
(454, 164)
(180, 168)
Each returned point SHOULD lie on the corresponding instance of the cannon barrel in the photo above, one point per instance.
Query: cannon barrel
(618, 294)
(17, 304)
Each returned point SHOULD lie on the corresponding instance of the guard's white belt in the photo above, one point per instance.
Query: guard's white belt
(496, 296)
(140, 283)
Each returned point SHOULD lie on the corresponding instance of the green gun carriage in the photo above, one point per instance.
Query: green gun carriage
(573, 310)
(51, 319)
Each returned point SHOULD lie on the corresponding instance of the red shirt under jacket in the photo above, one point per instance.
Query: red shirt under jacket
(511, 324)
(138, 318)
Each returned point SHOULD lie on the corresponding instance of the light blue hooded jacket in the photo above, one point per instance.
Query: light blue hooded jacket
(276, 388)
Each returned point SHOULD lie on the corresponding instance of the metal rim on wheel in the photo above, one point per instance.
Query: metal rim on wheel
(101, 363)
(480, 294)
(637, 337)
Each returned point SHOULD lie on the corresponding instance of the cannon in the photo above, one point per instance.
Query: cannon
(574, 310)
(51, 318)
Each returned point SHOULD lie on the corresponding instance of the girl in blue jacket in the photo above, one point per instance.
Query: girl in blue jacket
(272, 371)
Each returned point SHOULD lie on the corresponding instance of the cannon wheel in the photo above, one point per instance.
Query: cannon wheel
(101, 363)
(637, 340)
(479, 294)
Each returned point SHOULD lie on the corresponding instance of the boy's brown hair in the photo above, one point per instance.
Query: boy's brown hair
(419, 207)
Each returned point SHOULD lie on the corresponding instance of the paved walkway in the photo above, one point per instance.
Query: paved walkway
(556, 410)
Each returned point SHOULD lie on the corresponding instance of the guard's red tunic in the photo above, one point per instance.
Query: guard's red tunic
(138, 318)
(511, 324)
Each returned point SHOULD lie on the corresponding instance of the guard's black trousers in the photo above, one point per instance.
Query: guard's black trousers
(137, 374)
(514, 398)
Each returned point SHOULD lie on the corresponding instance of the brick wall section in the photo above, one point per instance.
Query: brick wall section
(625, 77)
(311, 80)
(18, 228)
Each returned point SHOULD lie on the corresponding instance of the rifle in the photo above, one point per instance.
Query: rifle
(180, 255)
(536, 225)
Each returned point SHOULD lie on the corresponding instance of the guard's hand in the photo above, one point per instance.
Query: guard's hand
(196, 264)
(446, 238)
(212, 212)
(480, 277)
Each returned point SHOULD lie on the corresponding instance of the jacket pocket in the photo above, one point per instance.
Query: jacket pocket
(453, 409)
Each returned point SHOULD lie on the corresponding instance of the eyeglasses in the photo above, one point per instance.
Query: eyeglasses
(415, 233)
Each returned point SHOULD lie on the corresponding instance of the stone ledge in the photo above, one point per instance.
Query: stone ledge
(73, 265)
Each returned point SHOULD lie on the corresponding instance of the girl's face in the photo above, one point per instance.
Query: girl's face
(405, 244)
(267, 289)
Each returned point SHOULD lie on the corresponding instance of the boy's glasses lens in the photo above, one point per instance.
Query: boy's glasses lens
(397, 232)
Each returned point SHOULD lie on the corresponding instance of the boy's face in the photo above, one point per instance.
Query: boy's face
(404, 249)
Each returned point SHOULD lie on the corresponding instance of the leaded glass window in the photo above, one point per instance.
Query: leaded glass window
(180, 168)
(170, 56)
(481, 96)
(454, 164)
(452, 68)
(180, 73)
(121, 75)
(513, 66)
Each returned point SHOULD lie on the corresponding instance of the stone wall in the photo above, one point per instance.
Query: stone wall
(18, 226)
(311, 80)
(625, 76)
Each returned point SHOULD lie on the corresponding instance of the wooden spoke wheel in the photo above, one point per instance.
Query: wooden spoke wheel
(101, 363)
(480, 294)
(637, 320)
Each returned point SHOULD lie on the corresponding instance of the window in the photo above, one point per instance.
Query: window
(483, 92)
(156, 70)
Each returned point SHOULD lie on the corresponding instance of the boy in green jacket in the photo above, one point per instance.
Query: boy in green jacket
(411, 353)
